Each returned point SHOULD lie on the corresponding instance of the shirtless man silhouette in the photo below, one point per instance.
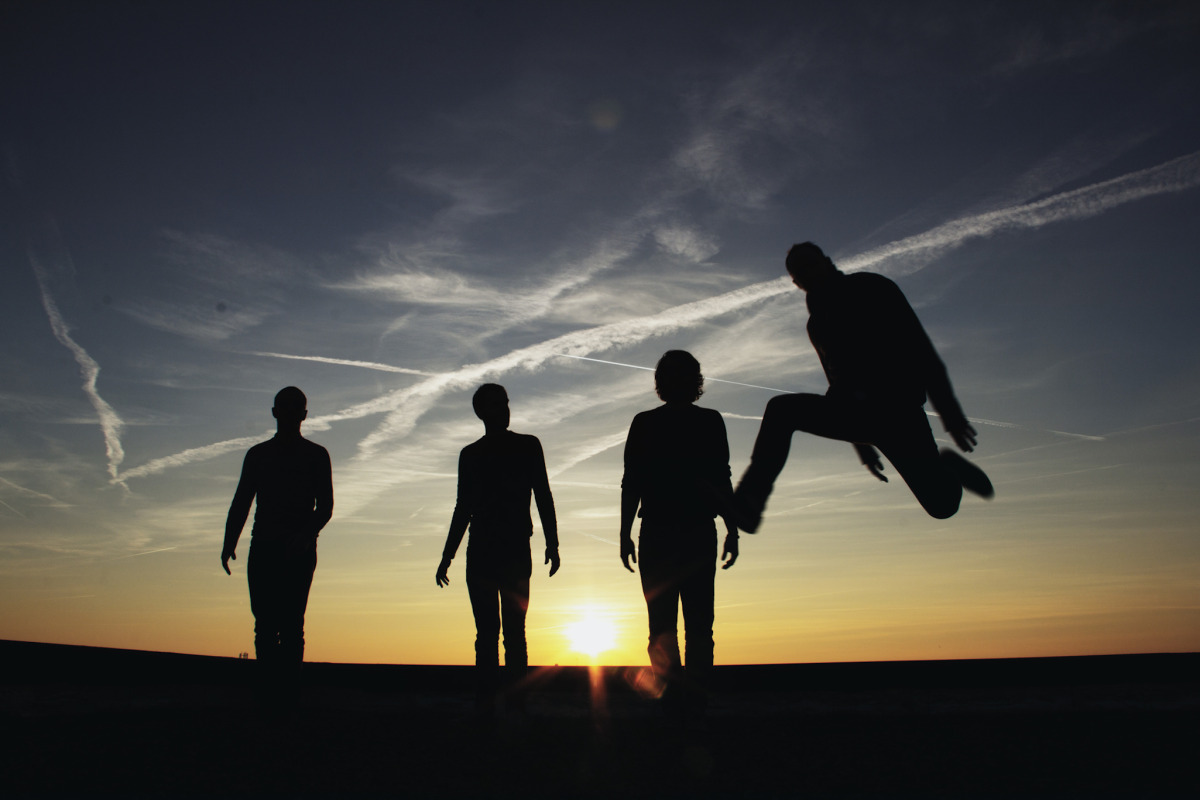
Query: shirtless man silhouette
(881, 367)
(291, 480)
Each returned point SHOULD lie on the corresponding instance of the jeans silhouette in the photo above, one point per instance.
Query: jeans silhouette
(280, 576)
(499, 595)
(902, 434)
(678, 564)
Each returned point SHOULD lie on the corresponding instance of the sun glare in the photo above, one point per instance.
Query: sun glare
(591, 635)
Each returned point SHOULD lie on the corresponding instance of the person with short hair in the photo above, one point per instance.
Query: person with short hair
(496, 475)
(289, 478)
(881, 367)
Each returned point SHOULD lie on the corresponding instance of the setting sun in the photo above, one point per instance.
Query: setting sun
(591, 635)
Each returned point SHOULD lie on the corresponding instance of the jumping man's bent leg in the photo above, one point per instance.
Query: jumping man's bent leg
(784, 415)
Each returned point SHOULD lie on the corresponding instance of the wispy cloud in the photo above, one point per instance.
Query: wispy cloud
(111, 424)
(914, 252)
(35, 495)
(403, 408)
(345, 362)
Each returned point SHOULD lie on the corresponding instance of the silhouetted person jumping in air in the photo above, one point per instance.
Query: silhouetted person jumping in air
(291, 481)
(881, 366)
(674, 455)
(495, 477)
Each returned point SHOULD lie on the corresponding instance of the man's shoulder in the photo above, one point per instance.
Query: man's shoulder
(872, 280)
(526, 441)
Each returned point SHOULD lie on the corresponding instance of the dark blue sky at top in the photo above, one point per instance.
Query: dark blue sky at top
(282, 119)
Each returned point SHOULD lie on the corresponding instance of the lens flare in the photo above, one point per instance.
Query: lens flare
(591, 635)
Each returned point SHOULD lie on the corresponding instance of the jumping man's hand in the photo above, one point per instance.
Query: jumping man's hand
(552, 559)
(963, 435)
(225, 556)
(870, 459)
(443, 573)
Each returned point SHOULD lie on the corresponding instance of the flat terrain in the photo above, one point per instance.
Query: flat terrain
(87, 721)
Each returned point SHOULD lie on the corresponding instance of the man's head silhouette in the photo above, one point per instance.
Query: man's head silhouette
(491, 405)
(291, 406)
(677, 377)
(809, 266)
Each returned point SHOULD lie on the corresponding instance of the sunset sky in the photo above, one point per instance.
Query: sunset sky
(387, 204)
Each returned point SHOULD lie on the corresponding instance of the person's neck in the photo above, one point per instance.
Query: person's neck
(287, 432)
(494, 430)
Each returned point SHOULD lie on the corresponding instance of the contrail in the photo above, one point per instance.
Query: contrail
(189, 456)
(651, 369)
(1176, 175)
(1015, 426)
(345, 362)
(111, 424)
(405, 406)
(54, 501)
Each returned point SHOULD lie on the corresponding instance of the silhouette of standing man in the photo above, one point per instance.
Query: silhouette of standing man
(291, 480)
(674, 457)
(881, 367)
(495, 477)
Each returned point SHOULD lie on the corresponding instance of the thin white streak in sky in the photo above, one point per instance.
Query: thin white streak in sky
(189, 456)
(345, 362)
(1172, 176)
(651, 369)
(143, 553)
(593, 448)
(405, 406)
(1014, 426)
(54, 501)
(111, 424)
(13, 510)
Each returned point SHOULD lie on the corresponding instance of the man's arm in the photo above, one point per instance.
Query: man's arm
(545, 506)
(729, 552)
(937, 381)
(239, 510)
(631, 493)
(324, 505)
(458, 522)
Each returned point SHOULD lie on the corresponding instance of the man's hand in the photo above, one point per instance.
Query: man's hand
(872, 461)
(225, 556)
(443, 573)
(729, 553)
(552, 559)
(963, 435)
(628, 552)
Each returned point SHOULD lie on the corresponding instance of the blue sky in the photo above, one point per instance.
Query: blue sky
(388, 204)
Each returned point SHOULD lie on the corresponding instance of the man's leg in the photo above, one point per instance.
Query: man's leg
(514, 605)
(785, 414)
(935, 478)
(484, 592)
(262, 575)
(696, 594)
(294, 592)
(659, 574)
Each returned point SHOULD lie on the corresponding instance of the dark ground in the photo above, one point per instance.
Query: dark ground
(89, 721)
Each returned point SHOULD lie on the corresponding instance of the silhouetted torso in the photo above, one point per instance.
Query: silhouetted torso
(292, 480)
(675, 455)
(872, 346)
(496, 475)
